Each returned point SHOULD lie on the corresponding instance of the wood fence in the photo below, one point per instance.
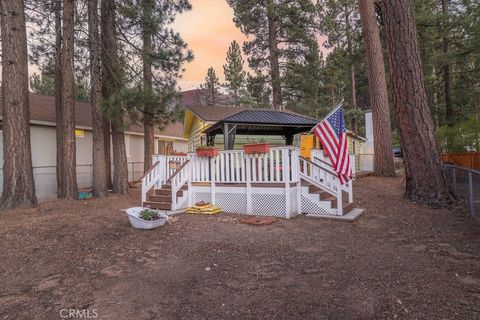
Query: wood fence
(463, 159)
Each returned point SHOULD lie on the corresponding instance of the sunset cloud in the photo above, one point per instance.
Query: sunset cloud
(208, 30)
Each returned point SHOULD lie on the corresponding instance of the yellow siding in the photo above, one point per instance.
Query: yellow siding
(195, 135)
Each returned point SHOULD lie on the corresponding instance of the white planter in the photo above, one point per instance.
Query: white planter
(143, 224)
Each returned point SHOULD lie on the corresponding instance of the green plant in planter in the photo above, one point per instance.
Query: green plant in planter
(256, 141)
(148, 215)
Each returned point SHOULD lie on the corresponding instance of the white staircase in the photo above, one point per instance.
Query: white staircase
(322, 193)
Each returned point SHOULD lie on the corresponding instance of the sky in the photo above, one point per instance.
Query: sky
(208, 29)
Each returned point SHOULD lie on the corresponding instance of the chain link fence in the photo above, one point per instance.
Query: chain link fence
(466, 185)
(46, 178)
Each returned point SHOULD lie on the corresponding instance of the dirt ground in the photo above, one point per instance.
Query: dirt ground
(398, 261)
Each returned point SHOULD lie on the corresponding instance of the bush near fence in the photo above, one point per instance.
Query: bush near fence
(469, 160)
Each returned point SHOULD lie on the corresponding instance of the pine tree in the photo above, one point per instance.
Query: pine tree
(111, 87)
(281, 31)
(377, 85)
(211, 85)
(153, 56)
(257, 91)
(425, 179)
(303, 82)
(18, 181)
(234, 73)
(68, 160)
(340, 22)
(99, 183)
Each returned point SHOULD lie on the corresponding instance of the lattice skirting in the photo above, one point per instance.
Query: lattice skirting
(232, 202)
(264, 201)
(201, 196)
(312, 207)
(269, 205)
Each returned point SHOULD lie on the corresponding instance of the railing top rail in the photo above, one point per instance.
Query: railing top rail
(323, 161)
(318, 166)
(150, 170)
(461, 168)
(177, 171)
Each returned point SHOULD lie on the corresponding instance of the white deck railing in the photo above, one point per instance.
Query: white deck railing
(178, 180)
(281, 165)
(151, 178)
(234, 166)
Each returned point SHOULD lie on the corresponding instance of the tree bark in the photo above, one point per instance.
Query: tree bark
(353, 89)
(58, 97)
(107, 148)
(99, 184)
(377, 89)
(425, 179)
(449, 113)
(18, 181)
(274, 64)
(148, 129)
(111, 86)
(70, 190)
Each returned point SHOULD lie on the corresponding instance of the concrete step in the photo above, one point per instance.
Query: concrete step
(158, 205)
(351, 215)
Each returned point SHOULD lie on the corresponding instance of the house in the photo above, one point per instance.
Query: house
(198, 120)
(43, 142)
(275, 181)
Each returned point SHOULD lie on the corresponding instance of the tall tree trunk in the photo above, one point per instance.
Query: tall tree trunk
(377, 89)
(111, 83)
(148, 129)
(18, 181)
(107, 147)
(353, 88)
(274, 64)
(99, 184)
(58, 97)
(449, 113)
(425, 179)
(70, 190)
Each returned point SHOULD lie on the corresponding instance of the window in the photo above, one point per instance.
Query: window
(79, 133)
(203, 140)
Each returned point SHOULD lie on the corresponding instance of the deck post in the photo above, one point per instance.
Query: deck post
(339, 199)
(286, 180)
(189, 182)
(212, 181)
(248, 175)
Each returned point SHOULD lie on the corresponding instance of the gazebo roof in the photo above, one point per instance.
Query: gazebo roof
(266, 122)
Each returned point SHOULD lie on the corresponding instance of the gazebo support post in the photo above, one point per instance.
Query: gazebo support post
(289, 139)
(229, 136)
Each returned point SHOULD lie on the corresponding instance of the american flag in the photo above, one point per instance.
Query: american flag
(333, 135)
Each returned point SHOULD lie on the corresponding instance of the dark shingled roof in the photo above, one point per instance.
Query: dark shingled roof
(42, 108)
(213, 113)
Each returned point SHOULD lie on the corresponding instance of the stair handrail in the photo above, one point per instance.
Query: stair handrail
(150, 178)
(177, 180)
(178, 171)
(319, 166)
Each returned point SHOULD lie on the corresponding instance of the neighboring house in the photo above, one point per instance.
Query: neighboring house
(43, 142)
